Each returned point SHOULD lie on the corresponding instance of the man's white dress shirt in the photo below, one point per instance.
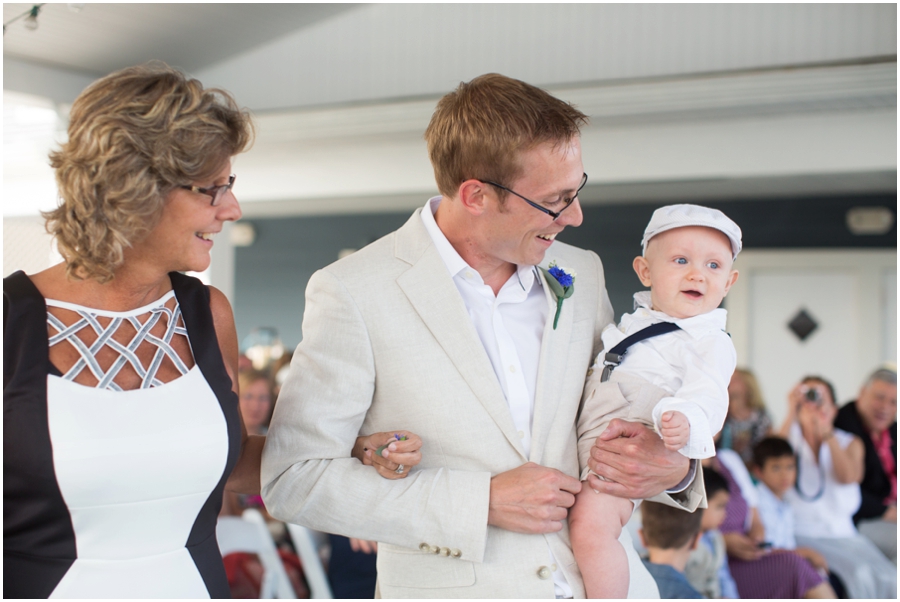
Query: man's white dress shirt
(510, 326)
(694, 364)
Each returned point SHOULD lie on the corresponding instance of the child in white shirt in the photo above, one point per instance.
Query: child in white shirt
(676, 382)
(775, 467)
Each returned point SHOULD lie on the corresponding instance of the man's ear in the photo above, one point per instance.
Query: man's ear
(756, 472)
(471, 195)
(642, 269)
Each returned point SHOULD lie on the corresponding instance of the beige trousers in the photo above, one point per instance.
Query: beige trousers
(623, 396)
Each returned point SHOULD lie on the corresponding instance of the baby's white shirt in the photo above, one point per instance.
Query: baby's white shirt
(693, 364)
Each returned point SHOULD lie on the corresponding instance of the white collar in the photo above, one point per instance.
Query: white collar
(764, 491)
(452, 259)
(696, 326)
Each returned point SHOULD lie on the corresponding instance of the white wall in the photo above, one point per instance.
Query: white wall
(390, 51)
(849, 293)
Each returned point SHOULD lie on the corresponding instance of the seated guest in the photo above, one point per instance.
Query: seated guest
(669, 534)
(787, 575)
(707, 567)
(255, 400)
(351, 567)
(775, 469)
(826, 495)
(747, 422)
(873, 418)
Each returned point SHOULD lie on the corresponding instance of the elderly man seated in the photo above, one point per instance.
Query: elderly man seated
(873, 418)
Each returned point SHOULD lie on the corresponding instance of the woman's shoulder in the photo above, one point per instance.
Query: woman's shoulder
(844, 438)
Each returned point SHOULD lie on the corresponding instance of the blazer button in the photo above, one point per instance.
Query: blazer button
(424, 547)
(544, 572)
(445, 551)
(590, 371)
(455, 553)
(435, 550)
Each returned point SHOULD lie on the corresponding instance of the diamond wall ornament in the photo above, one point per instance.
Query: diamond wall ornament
(802, 325)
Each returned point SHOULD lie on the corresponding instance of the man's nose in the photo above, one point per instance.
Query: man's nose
(572, 216)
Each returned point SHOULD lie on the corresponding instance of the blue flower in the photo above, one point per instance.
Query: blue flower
(562, 283)
(564, 279)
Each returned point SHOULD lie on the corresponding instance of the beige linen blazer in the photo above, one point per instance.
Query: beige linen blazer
(388, 344)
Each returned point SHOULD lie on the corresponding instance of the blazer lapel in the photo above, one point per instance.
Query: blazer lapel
(434, 296)
(554, 354)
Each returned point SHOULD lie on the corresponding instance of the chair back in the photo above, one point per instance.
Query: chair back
(250, 534)
(312, 563)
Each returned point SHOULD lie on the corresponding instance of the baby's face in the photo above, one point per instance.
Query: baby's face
(688, 270)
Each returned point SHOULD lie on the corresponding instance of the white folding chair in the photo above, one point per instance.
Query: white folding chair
(312, 564)
(249, 534)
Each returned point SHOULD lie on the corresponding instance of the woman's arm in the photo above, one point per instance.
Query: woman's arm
(817, 560)
(795, 398)
(848, 462)
(740, 546)
(757, 531)
(245, 476)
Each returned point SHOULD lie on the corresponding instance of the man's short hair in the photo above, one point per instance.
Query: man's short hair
(667, 527)
(769, 448)
(714, 482)
(480, 130)
(885, 375)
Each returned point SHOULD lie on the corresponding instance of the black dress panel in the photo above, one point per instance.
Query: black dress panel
(39, 538)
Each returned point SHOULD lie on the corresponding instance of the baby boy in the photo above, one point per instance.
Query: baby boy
(676, 381)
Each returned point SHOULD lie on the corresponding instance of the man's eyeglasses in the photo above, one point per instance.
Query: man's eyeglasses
(216, 192)
(539, 207)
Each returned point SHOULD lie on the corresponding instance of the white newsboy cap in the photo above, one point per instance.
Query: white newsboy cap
(680, 216)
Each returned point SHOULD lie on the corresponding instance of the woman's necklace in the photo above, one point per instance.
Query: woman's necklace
(821, 490)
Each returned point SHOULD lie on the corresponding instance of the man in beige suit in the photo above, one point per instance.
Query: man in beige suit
(446, 328)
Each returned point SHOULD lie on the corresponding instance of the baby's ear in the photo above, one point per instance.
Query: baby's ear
(732, 278)
(642, 269)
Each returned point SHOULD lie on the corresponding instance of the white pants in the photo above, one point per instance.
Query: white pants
(865, 571)
(883, 534)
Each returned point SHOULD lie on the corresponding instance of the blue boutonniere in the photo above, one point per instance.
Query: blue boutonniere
(562, 283)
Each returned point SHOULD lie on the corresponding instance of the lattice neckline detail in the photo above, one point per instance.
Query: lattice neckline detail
(88, 319)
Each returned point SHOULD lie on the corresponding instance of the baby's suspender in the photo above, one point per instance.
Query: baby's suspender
(615, 355)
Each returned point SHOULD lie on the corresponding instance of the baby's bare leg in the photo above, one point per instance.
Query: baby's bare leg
(595, 523)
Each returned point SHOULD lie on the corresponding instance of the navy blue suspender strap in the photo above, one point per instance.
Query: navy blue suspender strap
(615, 355)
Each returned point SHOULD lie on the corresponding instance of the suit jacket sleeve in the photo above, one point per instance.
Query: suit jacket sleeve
(308, 474)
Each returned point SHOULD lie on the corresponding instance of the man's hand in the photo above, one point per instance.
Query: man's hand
(675, 430)
(890, 515)
(531, 499)
(635, 462)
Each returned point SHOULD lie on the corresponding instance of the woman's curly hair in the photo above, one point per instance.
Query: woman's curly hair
(134, 136)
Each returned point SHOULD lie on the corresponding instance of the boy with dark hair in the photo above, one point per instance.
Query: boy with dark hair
(775, 467)
(669, 534)
(707, 567)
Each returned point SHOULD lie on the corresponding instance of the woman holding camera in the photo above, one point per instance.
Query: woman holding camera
(826, 494)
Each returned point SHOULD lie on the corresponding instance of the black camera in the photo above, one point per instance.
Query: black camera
(812, 394)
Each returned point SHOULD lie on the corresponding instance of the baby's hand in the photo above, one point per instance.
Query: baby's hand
(674, 430)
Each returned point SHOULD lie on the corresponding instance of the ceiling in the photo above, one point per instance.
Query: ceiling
(96, 39)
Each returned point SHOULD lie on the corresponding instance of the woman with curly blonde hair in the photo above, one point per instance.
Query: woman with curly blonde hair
(121, 420)
(121, 427)
(747, 422)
